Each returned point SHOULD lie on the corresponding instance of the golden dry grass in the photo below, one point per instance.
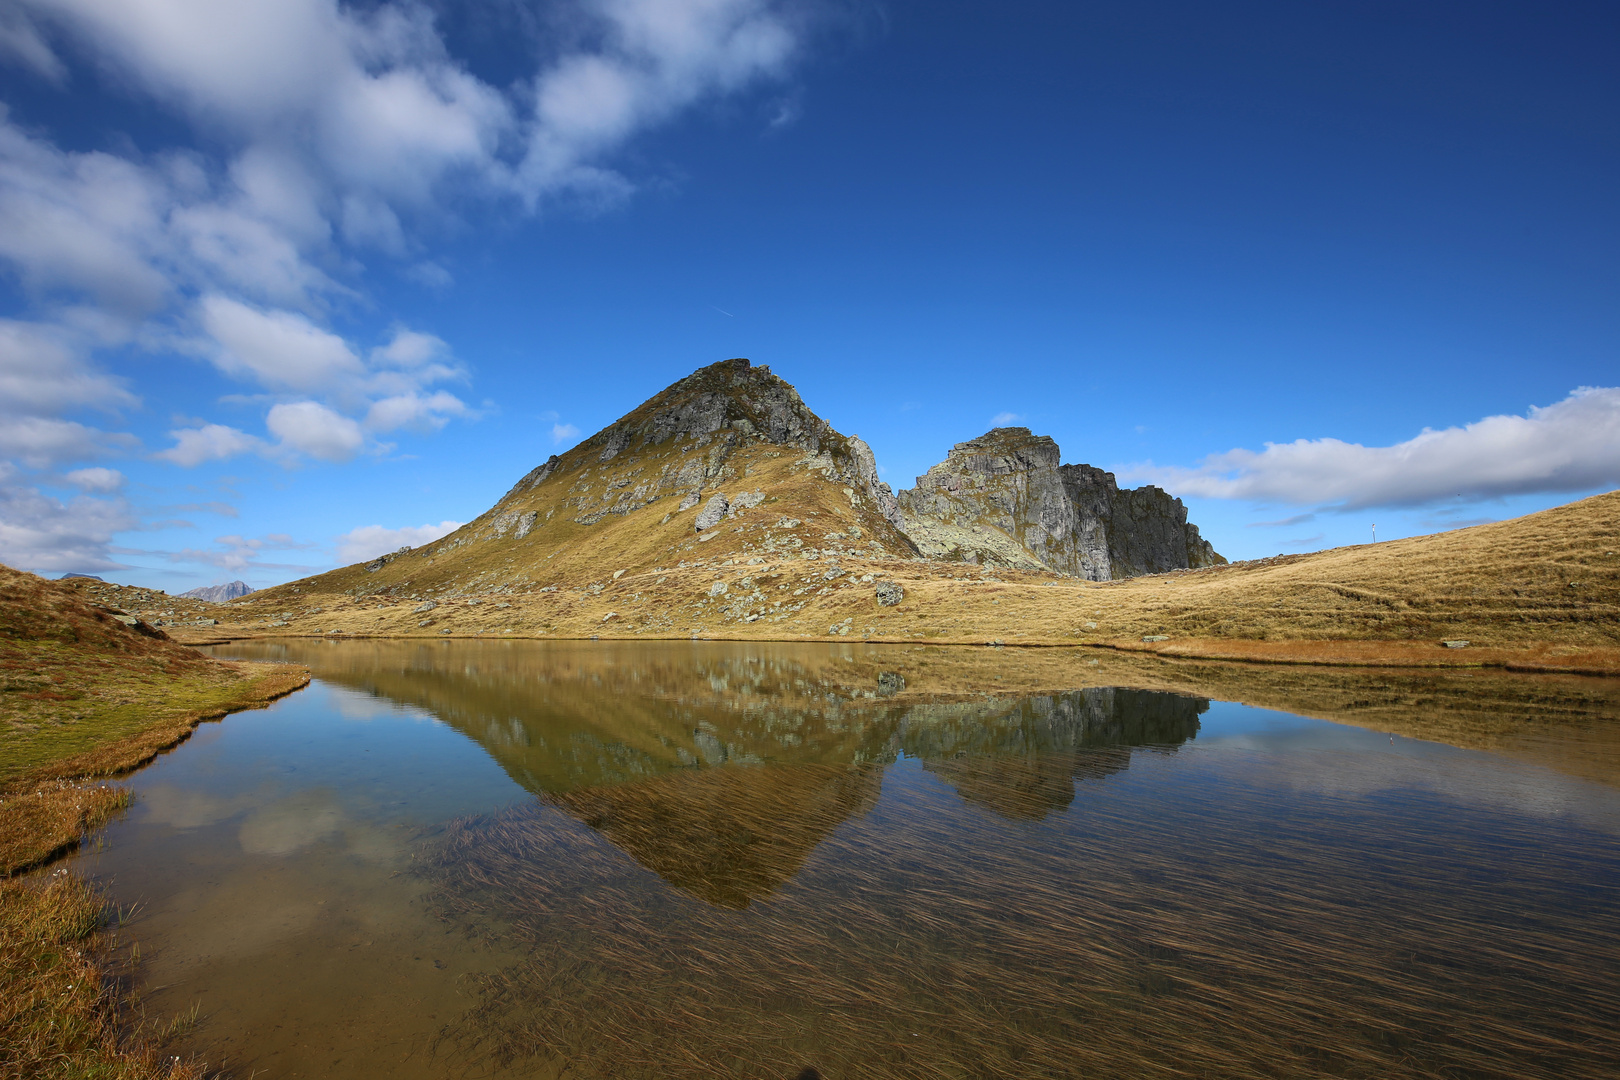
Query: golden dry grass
(62, 1015)
(1538, 593)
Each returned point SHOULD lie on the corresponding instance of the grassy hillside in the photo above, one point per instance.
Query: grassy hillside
(1540, 592)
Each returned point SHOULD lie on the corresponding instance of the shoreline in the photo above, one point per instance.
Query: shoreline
(1540, 658)
(63, 994)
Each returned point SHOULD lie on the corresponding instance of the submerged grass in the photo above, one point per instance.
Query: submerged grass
(940, 941)
(61, 1013)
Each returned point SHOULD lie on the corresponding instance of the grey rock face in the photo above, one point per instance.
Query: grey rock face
(534, 477)
(219, 594)
(712, 513)
(1004, 499)
(747, 500)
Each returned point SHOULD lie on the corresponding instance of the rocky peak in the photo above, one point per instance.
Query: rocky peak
(692, 443)
(1004, 499)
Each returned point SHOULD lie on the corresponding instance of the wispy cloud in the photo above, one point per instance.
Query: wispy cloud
(1571, 445)
(369, 541)
(563, 433)
(1002, 419)
(242, 553)
(1297, 519)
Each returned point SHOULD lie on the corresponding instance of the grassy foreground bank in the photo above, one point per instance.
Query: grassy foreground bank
(85, 696)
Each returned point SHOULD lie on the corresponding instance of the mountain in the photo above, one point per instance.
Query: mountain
(219, 594)
(1003, 499)
(724, 507)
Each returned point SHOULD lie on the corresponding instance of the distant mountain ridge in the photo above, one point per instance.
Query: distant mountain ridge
(219, 594)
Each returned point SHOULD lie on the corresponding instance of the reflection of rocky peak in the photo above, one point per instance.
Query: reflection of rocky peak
(1004, 499)
(726, 835)
(1023, 763)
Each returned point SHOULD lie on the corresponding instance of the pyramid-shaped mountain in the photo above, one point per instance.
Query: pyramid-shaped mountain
(632, 529)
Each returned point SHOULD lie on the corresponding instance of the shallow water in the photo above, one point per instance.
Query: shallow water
(550, 859)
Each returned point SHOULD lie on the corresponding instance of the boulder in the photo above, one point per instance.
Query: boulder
(712, 513)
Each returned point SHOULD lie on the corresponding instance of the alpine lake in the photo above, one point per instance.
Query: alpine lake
(708, 859)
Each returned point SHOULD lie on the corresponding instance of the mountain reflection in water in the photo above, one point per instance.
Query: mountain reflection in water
(630, 745)
(742, 861)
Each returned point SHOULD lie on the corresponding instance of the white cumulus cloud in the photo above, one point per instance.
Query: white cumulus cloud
(97, 479)
(211, 442)
(280, 350)
(311, 428)
(46, 535)
(1571, 445)
(369, 541)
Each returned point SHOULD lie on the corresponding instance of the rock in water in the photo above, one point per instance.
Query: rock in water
(1004, 499)
(711, 515)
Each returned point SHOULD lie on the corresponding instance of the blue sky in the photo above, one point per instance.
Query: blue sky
(285, 282)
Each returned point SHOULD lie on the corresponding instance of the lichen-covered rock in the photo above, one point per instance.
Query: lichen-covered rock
(1005, 499)
(711, 515)
(889, 594)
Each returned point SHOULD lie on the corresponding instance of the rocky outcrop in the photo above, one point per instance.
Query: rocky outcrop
(1005, 499)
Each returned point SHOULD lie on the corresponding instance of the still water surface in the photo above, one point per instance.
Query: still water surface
(601, 860)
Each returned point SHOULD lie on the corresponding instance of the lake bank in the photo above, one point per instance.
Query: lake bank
(88, 697)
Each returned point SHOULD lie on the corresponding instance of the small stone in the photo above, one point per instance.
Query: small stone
(428, 606)
(1157, 637)
(610, 615)
(719, 588)
(617, 574)
(689, 502)
(889, 594)
(1090, 625)
(1455, 644)
(425, 622)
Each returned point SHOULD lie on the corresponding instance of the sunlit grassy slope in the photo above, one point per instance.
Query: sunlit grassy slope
(1539, 591)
